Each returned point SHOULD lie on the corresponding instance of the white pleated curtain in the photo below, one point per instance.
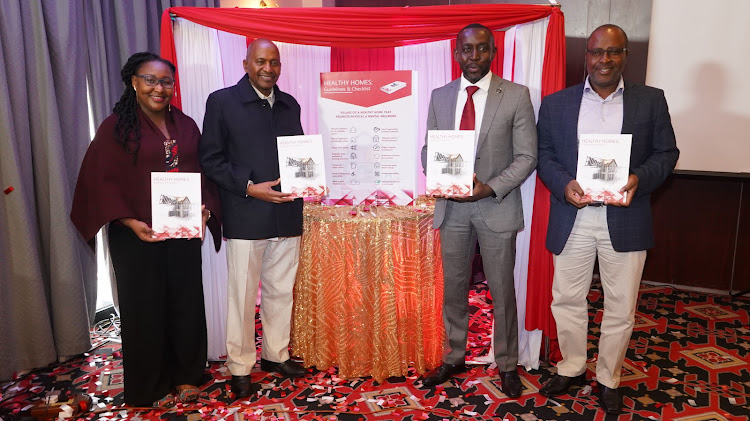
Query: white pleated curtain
(209, 60)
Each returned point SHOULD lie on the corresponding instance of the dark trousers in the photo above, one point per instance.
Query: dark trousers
(163, 320)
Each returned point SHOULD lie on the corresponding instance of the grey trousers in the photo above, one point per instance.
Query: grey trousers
(462, 227)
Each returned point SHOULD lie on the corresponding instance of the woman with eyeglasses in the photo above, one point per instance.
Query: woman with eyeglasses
(159, 282)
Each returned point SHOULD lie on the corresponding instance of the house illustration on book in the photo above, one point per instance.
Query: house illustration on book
(452, 163)
(180, 205)
(306, 167)
(606, 169)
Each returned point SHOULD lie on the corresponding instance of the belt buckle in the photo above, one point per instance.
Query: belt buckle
(596, 204)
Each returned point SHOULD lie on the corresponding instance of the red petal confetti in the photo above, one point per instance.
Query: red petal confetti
(7, 191)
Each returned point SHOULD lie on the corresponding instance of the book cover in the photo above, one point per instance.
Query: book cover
(301, 165)
(450, 163)
(603, 165)
(176, 205)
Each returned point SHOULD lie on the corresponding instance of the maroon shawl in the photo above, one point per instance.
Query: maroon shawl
(112, 186)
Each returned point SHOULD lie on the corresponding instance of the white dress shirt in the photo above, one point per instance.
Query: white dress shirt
(480, 99)
(601, 115)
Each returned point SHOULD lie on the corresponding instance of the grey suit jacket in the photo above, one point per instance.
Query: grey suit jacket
(506, 151)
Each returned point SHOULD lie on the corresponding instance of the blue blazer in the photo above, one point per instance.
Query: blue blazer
(653, 156)
(239, 144)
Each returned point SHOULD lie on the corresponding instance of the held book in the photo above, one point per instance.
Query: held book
(603, 165)
(450, 163)
(176, 205)
(302, 166)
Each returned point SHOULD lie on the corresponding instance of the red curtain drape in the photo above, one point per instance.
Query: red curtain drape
(362, 59)
(539, 284)
(354, 27)
(360, 27)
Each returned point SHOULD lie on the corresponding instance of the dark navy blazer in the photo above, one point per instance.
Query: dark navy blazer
(239, 144)
(653, 156)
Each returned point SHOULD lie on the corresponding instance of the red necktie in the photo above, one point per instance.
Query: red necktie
(468, 117)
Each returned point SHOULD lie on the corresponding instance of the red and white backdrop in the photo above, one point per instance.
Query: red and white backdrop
(208, 45)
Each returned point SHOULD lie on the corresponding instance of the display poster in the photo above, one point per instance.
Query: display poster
(603, 165)
(302, 165)
(368, 121)
(176, 205)
(450, 163)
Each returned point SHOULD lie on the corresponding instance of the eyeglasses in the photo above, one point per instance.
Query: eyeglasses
(151, 80)
(612, 52)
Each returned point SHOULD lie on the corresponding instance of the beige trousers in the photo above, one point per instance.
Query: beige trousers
(274, 261)
(620, 275)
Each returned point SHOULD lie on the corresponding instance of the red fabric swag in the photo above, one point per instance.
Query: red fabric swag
(354, 27)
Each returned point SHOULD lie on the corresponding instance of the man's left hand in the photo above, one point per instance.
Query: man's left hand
(628, 191)
(481, 191)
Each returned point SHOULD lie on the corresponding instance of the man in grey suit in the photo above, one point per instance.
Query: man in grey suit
(502, 116)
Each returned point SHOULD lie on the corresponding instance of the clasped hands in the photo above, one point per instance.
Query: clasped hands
(575, 196)
(145, 233)
(481, 191)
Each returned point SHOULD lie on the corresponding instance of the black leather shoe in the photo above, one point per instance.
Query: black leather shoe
(559, 384)
(610, 400)
(287, 369)
(442, 374)
(512, 386)
(240, 386)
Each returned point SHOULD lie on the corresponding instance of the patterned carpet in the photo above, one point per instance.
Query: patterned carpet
(688, 360)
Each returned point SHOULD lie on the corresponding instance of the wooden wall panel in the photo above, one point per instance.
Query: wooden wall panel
(695, 225)
(742, 258)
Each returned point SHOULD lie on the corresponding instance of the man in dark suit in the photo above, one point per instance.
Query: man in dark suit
(618, 231)
(263, 225)
(505, 140)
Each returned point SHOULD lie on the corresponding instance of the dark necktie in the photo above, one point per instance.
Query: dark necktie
(468, 116)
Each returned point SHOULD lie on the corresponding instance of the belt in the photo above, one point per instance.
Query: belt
(597, 204)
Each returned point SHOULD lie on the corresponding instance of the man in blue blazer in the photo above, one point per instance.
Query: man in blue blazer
(617, 231)
(505, 141)
(263, 225)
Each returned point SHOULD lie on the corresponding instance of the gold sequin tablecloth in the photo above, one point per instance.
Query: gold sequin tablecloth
(369, 291)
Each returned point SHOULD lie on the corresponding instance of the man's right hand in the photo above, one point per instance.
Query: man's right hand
(574, 195)
(265, 192)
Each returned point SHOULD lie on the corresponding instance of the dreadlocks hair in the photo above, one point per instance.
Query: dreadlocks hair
(127, 131)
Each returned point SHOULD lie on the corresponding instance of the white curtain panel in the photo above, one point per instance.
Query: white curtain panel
(522, 63)
(199, 56)
(233, 49)
(530, 39)
(529, 57)
(510, 50)
(215, 296)
(301, 66)
(432, 62)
